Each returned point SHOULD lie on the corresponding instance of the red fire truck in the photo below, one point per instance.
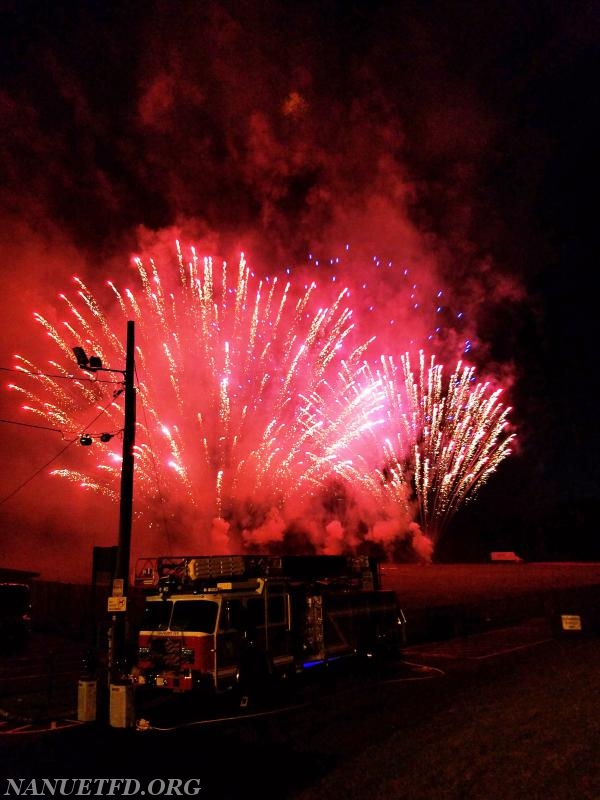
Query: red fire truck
(223, 623)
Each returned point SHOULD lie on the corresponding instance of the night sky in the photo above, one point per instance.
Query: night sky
(457, 139)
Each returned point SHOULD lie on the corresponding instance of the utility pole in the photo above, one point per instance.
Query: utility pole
(121, 582)
(120, 701)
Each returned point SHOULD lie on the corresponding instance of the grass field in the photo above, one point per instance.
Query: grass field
(427, 585)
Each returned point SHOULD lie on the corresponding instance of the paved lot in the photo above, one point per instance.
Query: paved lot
(442, 603)
(519, 723)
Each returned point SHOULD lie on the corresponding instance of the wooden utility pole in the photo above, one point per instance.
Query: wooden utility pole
(121, 583)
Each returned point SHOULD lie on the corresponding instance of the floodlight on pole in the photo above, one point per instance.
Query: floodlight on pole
(93, 363)
(81, 357)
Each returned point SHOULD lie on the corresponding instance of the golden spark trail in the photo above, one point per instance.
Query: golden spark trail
(451, 438)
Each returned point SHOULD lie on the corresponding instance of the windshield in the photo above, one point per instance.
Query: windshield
(183, 615)
(157, 616)
(194, 615)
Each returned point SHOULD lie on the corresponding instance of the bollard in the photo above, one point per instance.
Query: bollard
(87, 693)
(87, 688)
(121, 705)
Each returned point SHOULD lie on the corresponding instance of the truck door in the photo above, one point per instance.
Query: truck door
(230, 641)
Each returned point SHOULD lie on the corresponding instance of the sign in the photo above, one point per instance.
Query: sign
(117, 603)
(117, 587)
(504, 555)
(571, 622)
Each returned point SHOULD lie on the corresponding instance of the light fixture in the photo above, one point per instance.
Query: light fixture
(106, 437)
(91, 363)
(85, 439)
(81, 357)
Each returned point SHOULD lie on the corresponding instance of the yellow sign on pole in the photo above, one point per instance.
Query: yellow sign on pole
(571, 622)
(117, 604)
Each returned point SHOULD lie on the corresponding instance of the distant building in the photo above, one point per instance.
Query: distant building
(8, 575)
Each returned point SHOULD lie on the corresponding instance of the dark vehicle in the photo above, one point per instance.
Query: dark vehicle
(15, 617)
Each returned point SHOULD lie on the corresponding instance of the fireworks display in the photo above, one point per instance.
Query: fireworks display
(447, 437)
(264, 419)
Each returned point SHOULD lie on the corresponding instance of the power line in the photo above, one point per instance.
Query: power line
(44, 466)
(54, 375)
(35, 474)
(29, 425)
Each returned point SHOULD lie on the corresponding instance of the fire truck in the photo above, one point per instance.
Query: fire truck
(223, 623)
